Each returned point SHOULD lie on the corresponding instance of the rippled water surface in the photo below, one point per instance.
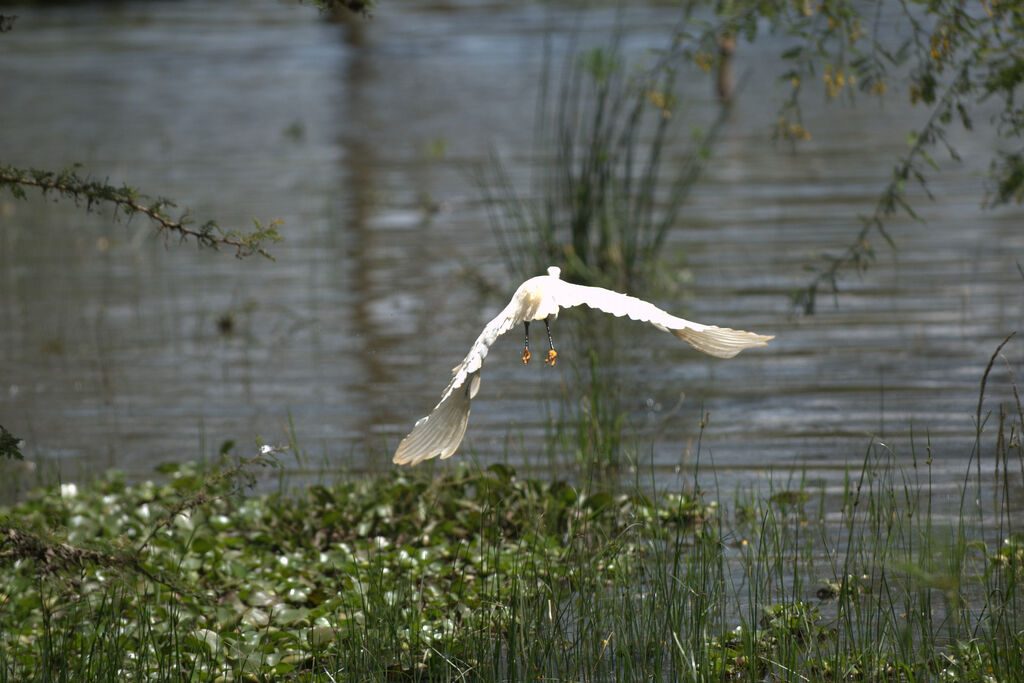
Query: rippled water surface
(361, 138)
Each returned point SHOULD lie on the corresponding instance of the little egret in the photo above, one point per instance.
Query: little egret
(539, 298)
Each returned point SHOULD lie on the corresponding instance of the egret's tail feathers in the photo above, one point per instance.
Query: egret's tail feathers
(721, 341)
(439, 434)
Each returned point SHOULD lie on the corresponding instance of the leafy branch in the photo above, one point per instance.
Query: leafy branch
(859, 252)
(129, 202)
(959, 56)
(10, 445)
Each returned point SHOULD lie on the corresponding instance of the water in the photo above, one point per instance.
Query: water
(360, 138)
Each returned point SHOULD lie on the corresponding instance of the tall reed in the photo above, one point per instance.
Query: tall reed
(612, 173)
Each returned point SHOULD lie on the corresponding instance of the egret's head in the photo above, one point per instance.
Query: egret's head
(554, 271)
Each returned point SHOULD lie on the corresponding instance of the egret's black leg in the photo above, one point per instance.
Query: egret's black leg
(526, 344)
(552, 354)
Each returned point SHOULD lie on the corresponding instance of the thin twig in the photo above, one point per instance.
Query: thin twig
(202, 497)
(859, 250)
(125, 199)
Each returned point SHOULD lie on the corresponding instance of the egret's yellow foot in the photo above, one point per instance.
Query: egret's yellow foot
(526, 356)
(552, 357)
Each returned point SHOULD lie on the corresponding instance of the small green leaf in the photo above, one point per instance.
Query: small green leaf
(9, 445)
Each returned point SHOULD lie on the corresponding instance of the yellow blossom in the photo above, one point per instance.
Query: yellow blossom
(704, 60)
(834, 81)
(660, 101)
(798, 132)
(791, 131)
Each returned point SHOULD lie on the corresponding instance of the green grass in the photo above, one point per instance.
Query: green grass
(456, 573)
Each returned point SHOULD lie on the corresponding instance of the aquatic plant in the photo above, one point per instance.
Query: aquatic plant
(455, 573)
(385, 575)
(607, 192)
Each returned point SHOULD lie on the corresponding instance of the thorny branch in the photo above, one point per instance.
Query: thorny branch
(127, 200)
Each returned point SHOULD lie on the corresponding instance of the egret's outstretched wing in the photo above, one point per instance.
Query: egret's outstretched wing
(474, 360)
(721, 342)
(439, 434)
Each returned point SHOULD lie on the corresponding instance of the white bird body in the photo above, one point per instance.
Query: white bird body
(540, 298)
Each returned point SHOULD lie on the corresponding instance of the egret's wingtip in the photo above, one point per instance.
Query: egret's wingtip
(406, 459)
(721, 342)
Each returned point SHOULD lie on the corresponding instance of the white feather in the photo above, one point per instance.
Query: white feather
(440, 433)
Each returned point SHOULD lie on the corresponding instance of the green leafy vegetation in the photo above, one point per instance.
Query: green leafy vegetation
(959, 60)
(455, 573)
(372, 575)
(10, 445)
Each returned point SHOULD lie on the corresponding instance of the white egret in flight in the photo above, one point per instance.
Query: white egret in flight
(539, 298)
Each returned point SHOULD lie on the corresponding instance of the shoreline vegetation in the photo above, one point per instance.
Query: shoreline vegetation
(462, 572)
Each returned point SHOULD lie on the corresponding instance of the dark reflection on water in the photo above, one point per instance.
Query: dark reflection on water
(117, 351)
